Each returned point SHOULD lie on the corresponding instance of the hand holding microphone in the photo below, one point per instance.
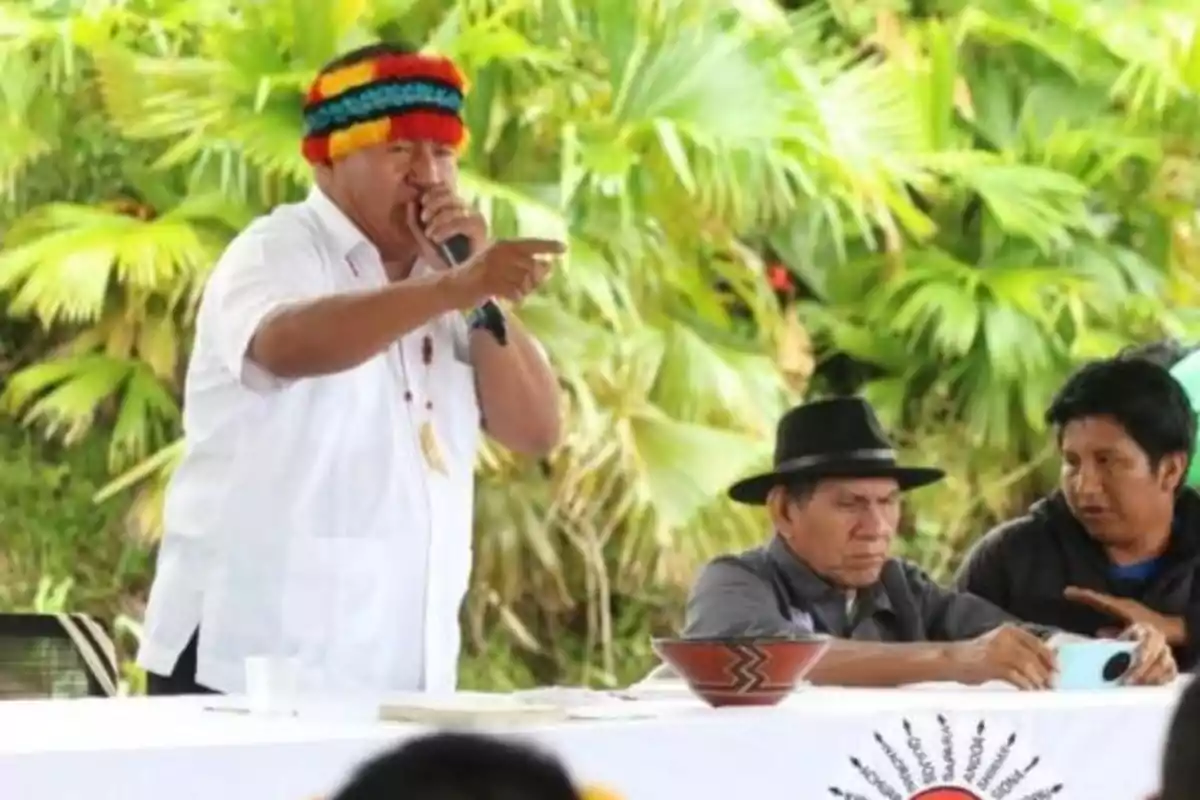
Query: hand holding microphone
(456, 236)
(456, 250)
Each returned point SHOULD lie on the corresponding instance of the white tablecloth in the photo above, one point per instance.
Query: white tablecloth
(854, 744)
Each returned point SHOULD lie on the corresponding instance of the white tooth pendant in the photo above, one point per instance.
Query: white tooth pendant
(431, 449)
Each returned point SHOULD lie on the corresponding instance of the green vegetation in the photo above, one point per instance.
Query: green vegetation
(970, 198)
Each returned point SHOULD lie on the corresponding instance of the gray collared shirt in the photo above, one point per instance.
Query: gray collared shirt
(768, 591)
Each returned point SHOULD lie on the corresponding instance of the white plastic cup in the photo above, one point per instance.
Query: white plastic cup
(271, 684)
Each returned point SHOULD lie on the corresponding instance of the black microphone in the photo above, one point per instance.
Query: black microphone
(456, 250)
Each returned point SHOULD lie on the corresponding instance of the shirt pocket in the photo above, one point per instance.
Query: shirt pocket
(351, 479)
(338, 610)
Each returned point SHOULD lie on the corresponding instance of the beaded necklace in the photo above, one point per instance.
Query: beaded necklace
(431, 449)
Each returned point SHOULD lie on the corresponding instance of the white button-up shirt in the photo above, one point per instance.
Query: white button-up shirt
(303, 520)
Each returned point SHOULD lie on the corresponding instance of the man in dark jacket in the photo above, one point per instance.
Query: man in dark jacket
(1119, 542)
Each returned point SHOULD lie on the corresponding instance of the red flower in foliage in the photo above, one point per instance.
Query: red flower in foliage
(780, 279)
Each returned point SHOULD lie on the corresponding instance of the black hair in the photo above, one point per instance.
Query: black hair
(366, 53)
(1141, 396)
(461, 766)
(1165, 352)
(1181, 756)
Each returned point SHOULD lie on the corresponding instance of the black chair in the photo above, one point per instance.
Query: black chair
(55, 656)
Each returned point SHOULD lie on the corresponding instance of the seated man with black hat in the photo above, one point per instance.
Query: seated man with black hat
(834, 499)
(1119, 541)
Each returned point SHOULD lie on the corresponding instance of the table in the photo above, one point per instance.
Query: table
(820, 743)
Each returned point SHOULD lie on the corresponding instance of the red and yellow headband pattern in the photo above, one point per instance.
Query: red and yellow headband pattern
(384, 99)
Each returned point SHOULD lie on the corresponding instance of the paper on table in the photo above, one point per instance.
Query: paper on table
(563, 696)
(467, 709)
(622, 711)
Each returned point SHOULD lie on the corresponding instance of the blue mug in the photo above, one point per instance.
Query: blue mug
(1093, 665)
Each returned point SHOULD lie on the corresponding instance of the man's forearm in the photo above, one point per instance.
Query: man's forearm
(518, 392)
(871, 664)
(339, 332)
(1175, 630)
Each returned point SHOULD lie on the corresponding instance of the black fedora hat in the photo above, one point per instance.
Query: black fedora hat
(838, 438)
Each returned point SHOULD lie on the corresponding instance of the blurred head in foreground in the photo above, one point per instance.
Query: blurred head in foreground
(460, 766)
(1181, 760)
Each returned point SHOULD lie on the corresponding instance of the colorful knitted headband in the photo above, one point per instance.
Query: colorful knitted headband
(386, 98)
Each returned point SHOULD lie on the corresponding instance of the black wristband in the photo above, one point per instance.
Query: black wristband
(489, 317)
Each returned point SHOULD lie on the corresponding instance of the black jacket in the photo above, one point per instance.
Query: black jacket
(1024, 565)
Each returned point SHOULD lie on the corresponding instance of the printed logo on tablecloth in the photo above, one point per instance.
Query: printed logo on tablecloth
(984, 765)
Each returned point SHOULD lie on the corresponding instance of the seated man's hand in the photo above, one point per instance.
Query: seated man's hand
(1154, 664)
(1129, 612)
(1007, 653)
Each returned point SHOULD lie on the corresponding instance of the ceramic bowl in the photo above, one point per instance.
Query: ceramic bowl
(750, 671)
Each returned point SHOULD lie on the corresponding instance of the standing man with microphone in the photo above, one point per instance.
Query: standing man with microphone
(343, 362)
